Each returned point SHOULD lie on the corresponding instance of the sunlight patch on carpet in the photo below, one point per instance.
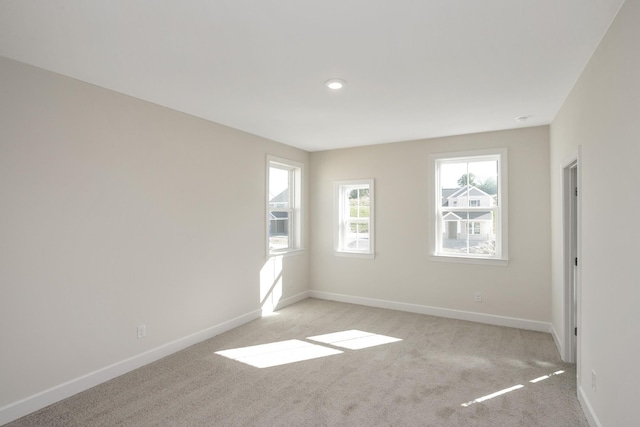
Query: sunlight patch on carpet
(492, 395)
(507, 390)
(278, 353)
(354, 339)
(544, 377)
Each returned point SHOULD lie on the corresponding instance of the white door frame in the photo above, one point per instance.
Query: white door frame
(571, 219)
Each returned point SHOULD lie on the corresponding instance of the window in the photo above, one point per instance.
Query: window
(284, 179)
(470, 206)
(474, 228)
(354, 218)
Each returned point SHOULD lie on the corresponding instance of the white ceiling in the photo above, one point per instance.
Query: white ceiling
(414, 68)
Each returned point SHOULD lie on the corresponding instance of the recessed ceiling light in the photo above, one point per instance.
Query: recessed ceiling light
(335, 84)
(522, 119)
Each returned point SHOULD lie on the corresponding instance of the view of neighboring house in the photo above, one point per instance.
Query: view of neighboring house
(279, 212)
(279, 219)
(462, 223)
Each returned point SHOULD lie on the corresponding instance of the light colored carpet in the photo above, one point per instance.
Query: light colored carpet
(422, 380)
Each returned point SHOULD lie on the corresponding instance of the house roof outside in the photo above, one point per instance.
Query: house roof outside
(281, 198)
(452, 193)
(473, 191)
(446, 192)
(468, 216)
(278, 215)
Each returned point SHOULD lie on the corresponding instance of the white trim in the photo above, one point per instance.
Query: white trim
(338, 190)
(15, 410)
(557, 341)
(571, 161)
(589, 413)
(291, 300)
(297, 196)
(292, 252)
(502, 226)
(490, 319)
(567, 265)
(25, 406)
(355, 255)
(470, 260)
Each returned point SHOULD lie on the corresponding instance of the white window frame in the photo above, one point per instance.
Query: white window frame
(501, 257)
(342, 217)
(295, 170)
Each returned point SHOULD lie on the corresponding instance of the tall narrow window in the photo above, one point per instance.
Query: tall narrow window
(283, 205)
(470, 199)
(354, 218)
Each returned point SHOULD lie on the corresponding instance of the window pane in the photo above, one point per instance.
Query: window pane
(278, 230)
(359, 227)
(471, 232)
(469, 220)
(357, 232)
(359, 203)
(451, 191)
(283, 205)
(279, 188)
(472, 184)
(357, 236)
(354, 221)
(484, 177)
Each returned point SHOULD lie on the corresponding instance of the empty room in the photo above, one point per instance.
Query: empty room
(337, 213)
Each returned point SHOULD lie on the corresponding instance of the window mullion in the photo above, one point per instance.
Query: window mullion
(283, 189)
(468, 204)
(354, 230)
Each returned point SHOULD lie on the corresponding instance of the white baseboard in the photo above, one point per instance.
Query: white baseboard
(587, 408)
(557, 341)
(23, 407)
(292, 300)
(532, 325)
(38, 401)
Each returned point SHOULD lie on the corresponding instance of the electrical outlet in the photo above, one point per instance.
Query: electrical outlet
(478, 296)
(142, 331)
(593, 380)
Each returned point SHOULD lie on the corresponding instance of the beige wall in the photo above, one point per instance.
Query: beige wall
(115, 212)
(601, 116)
(401, 271)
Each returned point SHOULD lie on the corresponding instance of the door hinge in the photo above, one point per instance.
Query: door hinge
(576, 261)
(576, 191)
(576, 331)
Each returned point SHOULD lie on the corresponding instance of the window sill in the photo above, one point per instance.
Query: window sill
(288, 253)
(355, 255)
(470, 260)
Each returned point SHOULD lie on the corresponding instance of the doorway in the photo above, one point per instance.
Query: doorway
(452, 232)
(571, 261)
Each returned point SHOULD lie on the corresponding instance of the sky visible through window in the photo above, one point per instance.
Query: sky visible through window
(450, 173)
(278, 181)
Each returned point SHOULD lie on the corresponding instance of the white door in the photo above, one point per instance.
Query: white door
(574, 256)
